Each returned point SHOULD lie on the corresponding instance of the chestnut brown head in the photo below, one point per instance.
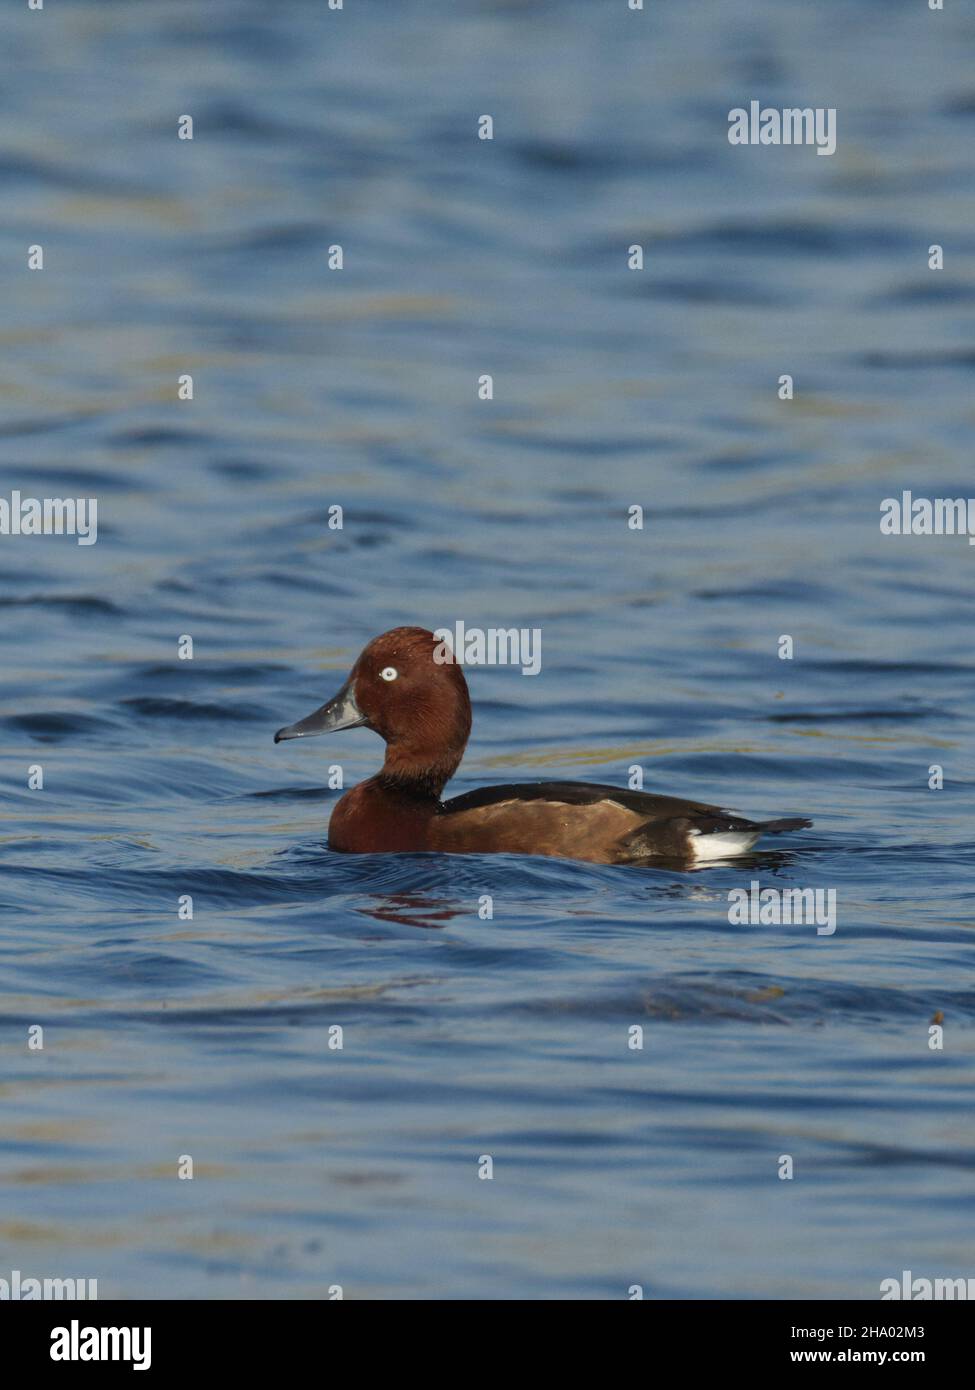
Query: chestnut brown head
(416, 702)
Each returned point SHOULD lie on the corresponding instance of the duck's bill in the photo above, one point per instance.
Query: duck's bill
(341, 712)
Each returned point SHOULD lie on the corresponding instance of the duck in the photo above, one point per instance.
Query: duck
(407, 687)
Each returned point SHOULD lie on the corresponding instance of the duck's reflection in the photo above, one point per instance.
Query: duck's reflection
(413, 909)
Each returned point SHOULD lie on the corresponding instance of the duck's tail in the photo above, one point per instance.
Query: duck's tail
(773, 827)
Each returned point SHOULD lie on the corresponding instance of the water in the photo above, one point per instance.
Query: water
(464, 1037)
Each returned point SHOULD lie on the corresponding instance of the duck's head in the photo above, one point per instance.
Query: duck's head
(404, 689)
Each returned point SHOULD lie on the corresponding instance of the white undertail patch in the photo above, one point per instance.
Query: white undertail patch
(723, 844)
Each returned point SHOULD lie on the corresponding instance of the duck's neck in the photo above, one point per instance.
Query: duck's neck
(418, 773)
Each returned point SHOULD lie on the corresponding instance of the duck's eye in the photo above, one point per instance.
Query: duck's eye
(389, 673)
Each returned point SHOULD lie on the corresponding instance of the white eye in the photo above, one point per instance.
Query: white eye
(389, 673)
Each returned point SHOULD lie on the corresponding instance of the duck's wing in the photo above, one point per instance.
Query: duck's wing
(611, 824)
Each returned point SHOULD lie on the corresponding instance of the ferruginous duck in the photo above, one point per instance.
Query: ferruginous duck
(420, 707)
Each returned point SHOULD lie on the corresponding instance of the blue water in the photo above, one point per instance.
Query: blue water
(464, 1037)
